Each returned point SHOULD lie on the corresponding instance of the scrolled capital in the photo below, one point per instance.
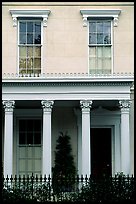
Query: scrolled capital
(86, 104)
(8, 105)
(125, 104)
(47, 105)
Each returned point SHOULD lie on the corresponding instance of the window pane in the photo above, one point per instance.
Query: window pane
(37, 138)
(22, 125)
(37, 151)
(22, 138)
(29, 125)
(29, 138)
(92, 38)
(30, 27)
(99, 51)
(37, 63)
(107, 39)
(107, 27)
(30, 165)
(99, 63)
(107, 64)
(37, 125)
(92, 63)
(22, 27)
(107, 52)
(99, 38)
(22, 63)
(37, 38)
(92, 26)
(30, 152)
(92, 52)
(37, 27)
(37, 51)
(22, 152)
(29, 63)
(99, 27)
(22, 38)
(29, 38)
(37, 165)
(22, 51)
(22, 165)
(29, 51)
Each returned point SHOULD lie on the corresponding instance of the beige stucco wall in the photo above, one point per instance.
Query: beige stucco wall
(65, 40)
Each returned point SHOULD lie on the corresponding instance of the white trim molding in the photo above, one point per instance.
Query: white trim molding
(108, 13)
(37, 13)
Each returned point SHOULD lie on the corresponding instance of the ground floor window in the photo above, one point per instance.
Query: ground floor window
(29, 146)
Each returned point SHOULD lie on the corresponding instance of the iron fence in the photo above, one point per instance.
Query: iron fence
(78, 189)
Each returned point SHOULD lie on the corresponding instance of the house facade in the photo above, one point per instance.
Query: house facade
(68, 67)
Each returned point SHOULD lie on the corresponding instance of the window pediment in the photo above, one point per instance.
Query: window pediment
(16, 13)
(99, 13)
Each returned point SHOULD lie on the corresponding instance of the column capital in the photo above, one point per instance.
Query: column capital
(9, 105)
(125, 104)
(47, 105)
(86, 104)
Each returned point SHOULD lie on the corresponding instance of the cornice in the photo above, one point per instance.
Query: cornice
(68, 3)
(42, 13)
(41, 84)
(108, 13)
(69, 79)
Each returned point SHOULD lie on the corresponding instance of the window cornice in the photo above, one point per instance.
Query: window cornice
(16, 13)
(109, 13)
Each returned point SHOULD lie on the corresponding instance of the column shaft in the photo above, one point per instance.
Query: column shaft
(86, 146)
(46, 156)
(125, 137)
(8, 138)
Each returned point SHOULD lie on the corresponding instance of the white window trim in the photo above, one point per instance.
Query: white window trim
(16, 13)
(108, 13)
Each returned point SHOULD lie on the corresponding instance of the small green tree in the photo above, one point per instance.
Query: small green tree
(64, 171)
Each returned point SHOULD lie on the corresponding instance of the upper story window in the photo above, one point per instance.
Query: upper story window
(29, 23)
(100, 46)
(100, 24)
(29, 44)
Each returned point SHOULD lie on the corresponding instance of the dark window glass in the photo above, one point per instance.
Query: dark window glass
(29, 138)
(37, 125)
(22, 125)
(37, 138)
(30, 125)
(22, 138)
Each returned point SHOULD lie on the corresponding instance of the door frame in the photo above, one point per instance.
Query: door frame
(111, 119)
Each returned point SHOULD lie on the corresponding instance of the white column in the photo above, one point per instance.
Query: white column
(86, 146)
(46, 156)
(8, 138)
(125, 137)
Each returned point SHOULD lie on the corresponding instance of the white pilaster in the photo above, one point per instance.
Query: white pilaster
(46, 156)
(125, 140)
(8, 138)
(86, 146)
